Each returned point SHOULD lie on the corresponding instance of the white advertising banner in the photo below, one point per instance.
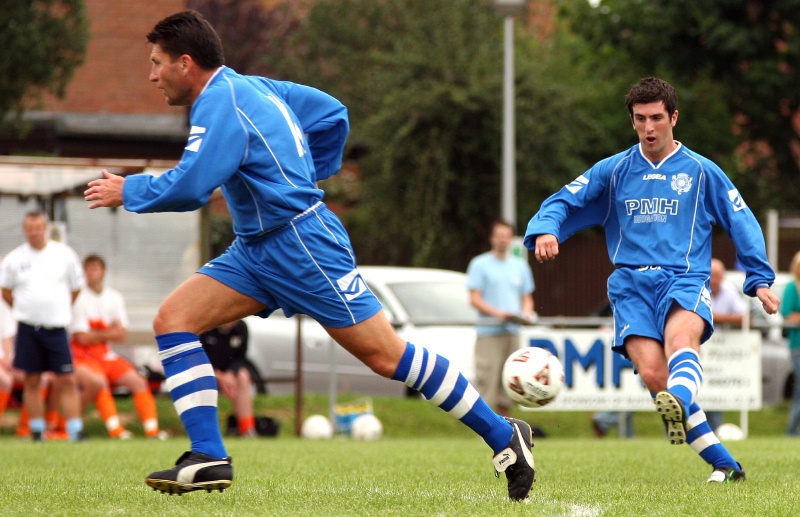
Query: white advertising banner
(597, 379)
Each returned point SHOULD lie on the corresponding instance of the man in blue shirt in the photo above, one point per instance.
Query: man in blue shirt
(501, 290)
(266, 143)
(657, 202)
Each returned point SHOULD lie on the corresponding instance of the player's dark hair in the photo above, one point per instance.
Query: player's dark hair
(188, 32)
(652, 89)
(94, 257)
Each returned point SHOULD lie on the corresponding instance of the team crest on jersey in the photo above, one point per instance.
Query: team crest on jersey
(352, 285)
(195, 139)
(736, 200)
(681, 183)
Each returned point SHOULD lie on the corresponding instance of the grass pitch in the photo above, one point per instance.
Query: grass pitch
(425, 465)
(400, 476)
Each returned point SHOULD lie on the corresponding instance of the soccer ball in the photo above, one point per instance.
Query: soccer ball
(317, 427)
(366, 427)
(729, 433)
(532, 377)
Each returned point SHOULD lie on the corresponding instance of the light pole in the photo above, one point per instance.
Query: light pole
(508, 193)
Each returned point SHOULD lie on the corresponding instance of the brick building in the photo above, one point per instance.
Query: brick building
(110, 109)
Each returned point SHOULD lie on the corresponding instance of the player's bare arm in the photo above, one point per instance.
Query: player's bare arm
(768, 300)
(106, 191)
(546, 247)
(8, 296)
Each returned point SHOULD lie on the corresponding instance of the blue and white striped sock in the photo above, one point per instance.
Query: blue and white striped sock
(685, 375)
(193, 388)
(443, 385)
(704, 442)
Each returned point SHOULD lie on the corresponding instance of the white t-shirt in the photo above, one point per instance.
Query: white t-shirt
(728, 300)
(42, 282)
(106, 306)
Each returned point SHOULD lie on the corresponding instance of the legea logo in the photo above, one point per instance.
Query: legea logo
(195, 139)
(736, 200)
(352, 285)
(577, 184)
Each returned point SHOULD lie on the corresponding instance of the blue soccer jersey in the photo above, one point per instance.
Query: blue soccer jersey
(657, 214)
(267, 174)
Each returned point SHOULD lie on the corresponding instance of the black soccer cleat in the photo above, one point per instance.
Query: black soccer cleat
(193, 471)
(671, 410)
(727, 474)
(516, 460)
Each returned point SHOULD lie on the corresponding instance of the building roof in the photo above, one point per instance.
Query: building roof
(35, 176)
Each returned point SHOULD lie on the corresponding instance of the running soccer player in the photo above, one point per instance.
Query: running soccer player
(657, 202)
(267, 143)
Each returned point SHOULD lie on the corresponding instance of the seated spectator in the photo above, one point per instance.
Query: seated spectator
(226, 347)
(99, 319)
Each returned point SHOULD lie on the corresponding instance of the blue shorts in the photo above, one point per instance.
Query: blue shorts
(641, 300)
(307, 266)
(39, 349)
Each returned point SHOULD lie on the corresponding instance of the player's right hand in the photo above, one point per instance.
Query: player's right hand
(546, 247)
(106, 191)
(768, 300)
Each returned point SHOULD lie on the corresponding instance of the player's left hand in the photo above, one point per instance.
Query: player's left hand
(768, 300)
(106, 191)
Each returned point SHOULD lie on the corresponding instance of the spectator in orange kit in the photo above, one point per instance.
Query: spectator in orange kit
(100, 319)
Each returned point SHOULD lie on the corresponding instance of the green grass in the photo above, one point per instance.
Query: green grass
(400, 476)
(426, 464)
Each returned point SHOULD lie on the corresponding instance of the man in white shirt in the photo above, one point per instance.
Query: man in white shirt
(727, 304)
(727, 308)
(100, 319)
(40, 280)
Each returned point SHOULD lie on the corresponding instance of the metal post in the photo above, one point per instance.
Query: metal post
(508, 194)
(298, 377)
(333, 383)
(773, 223)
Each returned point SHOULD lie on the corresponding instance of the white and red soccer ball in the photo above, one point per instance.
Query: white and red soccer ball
(532, 377)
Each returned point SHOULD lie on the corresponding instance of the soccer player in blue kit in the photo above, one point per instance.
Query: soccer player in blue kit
(266, 143)
(657, 202)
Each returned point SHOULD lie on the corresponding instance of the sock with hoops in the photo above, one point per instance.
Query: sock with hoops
(685, 375)
(441, 384)
(704, 442)
(193, 388)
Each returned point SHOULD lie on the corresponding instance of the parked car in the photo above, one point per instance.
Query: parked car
(429, 307)
(777, 378)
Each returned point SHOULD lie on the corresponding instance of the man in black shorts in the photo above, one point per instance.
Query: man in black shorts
(226, 348)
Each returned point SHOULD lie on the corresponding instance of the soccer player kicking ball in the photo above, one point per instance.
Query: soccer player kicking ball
(657, 202)
(267, 143)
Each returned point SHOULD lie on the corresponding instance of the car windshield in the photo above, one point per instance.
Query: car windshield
(435, 303)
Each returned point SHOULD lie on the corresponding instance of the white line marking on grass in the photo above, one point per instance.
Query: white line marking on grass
(579, 510)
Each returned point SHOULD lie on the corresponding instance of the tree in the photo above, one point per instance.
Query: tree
(423, 84)
(737, 58)
(43, 42)
(250, 31)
